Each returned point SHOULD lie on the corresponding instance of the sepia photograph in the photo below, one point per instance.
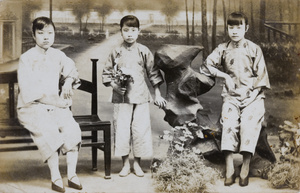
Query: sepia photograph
(150, 96)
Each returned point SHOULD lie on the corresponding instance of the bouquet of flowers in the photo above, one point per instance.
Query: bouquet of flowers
(120, 77)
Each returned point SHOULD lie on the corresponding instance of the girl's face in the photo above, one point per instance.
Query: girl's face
(44, 38)
(130, 34)
(237, 32)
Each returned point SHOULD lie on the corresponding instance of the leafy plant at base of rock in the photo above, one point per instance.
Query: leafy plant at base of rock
(285, 175)
(289, 137)
(286, 172)
(183, 170)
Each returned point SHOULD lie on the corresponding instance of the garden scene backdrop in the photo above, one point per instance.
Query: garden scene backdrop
(82, 25)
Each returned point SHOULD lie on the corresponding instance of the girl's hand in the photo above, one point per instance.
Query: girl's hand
(250, 98)
(229, 84)
(63, 103)
(160, 101)
(56, 101)
(118, 88)
(67, 90)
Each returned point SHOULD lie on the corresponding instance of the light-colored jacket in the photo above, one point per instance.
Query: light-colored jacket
(40, 73)
(134, 61)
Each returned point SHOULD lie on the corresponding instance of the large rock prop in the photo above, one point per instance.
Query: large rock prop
(184, 85)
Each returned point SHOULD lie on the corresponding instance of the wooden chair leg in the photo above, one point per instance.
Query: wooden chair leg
(94, 150)
(107, 153)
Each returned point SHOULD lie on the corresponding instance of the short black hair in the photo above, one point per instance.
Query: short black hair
(40, 22)
(236, 18)
(130, 20)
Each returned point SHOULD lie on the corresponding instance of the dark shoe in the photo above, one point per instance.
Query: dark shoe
(56, 187)
(244, 182)
(74, 185)
(229, 181)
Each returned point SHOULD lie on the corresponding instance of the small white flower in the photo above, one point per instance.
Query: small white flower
(182, 138)
(187, 132)
(297, 140)
(173, 129)
(284, 150)
(205, 127)
(166, 132)
(287, 144)
(200, 134)
(178, 147)
(167, 137)
(289, 123)
(181, 128)
(190, 136)
(190, 124)
(196, 150)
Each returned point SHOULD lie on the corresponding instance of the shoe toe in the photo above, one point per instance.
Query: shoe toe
(244, 182)
(139, 172)
(73, 184)
(56, 187)
(124, 172)
(229, 181)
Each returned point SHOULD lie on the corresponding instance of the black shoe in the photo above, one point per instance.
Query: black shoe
(56, 187)
(229, 181)
(244, 182)
(74, 185)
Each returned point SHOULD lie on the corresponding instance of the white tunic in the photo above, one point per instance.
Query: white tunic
(39, 73)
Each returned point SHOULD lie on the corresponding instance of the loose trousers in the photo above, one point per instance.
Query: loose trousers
(132, 128)
(242, 126)
(51, 128)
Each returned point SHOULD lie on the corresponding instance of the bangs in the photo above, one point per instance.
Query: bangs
(237, 19)
(41, 22)
(40, 25)
(131, 23)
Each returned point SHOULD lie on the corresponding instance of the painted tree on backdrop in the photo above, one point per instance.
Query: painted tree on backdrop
(130, 5)
(81, 9)
(170, 9)
(187, 23)
(103, 10)
(28, 8)
(204, 28)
